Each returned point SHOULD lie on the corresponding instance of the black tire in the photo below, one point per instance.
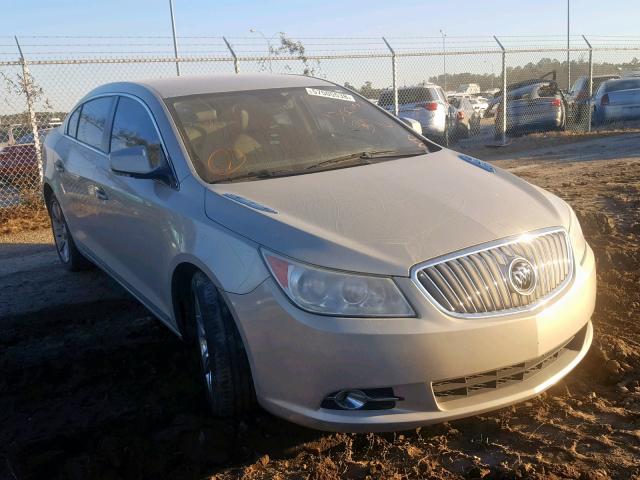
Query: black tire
(68, 253)
(225, 371)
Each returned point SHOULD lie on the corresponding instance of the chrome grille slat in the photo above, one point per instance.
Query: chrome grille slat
(508, 253)
(552, 267)
(480, 281)
(446, 271)
(496, 276)
(503, 281)
(493, 284)
(445, 286)
(565, 264)
(440, 292)
(474, 282)
(467, 284)
(543, 278)
(550, 275)
(531, 253)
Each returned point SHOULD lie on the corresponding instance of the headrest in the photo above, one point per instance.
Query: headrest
(207, 115)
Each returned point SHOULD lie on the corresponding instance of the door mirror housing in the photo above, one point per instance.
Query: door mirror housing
(135, 162)
(414, 124)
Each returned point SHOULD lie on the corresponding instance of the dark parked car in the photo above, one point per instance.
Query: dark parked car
(19, 162)
(578, 98)
(531, 106)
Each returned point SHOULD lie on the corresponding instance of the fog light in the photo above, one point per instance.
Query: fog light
(365, 399)
(351, 399)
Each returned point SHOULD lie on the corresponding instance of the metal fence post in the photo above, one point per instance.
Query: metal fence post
(590, 82)
(175, 40)
(27, 86)
(394, 76)
(504, 90)
(236, 64)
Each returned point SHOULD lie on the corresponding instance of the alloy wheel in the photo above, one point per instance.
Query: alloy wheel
(203, 345)
(60, 232)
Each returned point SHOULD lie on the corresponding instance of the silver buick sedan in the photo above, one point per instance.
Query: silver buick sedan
(324, 260)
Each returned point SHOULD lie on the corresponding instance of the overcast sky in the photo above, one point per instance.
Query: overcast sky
(319, 18)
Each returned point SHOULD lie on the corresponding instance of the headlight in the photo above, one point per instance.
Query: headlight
(329, 292)
(578, 243)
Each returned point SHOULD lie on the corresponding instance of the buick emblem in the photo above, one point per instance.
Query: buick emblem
(523, 277)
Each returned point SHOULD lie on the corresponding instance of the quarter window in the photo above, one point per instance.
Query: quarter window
(132, 126)
(93, 119)
(72, 124)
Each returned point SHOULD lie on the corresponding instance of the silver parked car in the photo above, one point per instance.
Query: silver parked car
(467, 120)
(426, 104)
(531, 106)
(322, 258)
(617, 100)
(480, 104)
(578, 98)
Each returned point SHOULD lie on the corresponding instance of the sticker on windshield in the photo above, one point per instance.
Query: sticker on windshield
(329, 94)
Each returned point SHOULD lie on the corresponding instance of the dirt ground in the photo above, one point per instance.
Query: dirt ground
(93, 387)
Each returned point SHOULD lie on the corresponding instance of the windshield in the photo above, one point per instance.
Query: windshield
(278, 132)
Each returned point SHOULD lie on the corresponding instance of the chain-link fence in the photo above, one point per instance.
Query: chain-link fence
(453, 86)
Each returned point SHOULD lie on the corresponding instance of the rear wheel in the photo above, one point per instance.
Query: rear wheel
(224, 365)
(68, 253)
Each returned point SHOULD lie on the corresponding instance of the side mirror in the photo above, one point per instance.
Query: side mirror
(135, 162)
(414, 124)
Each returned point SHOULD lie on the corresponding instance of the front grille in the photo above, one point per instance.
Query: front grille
(462, 387)
(476, 282)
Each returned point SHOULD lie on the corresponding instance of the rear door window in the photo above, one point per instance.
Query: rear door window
(93, 121)
(132, 126)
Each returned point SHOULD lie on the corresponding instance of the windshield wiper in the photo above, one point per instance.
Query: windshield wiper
(366, 156)
(248, 175)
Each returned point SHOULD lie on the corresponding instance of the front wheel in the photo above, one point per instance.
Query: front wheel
(224, 365)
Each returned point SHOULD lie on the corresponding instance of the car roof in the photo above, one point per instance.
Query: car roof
(195, 85)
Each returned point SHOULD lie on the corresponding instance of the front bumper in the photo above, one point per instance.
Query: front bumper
(297, 358)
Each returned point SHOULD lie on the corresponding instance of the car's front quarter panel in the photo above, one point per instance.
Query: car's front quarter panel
(232, 261)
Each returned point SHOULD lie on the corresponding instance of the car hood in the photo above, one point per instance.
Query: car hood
(385, 217)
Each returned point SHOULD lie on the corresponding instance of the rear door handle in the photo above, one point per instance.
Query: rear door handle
(100, 193)
(58, 165)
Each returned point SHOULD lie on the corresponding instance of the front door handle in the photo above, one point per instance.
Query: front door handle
(58, 165)
(100, 193)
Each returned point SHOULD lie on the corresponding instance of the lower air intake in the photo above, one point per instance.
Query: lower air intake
(463, 387)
